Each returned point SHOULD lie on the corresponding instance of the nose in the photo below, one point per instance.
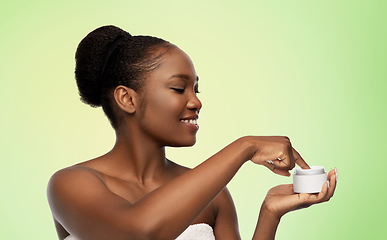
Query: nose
(194, 103)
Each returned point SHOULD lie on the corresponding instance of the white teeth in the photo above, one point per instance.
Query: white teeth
(192, 121)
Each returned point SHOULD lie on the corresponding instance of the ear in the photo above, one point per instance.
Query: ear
(126, 98)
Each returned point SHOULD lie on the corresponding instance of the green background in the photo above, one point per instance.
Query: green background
(311, 70)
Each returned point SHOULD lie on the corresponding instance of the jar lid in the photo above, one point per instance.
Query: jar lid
(314, 170)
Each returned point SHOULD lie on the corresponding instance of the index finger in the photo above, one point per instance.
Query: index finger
(299, 160)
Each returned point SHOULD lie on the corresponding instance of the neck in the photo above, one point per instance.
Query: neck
(136, 157)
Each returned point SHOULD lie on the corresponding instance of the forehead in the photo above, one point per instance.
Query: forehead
(175, 62)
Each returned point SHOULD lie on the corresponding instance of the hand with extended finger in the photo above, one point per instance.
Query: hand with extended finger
(276, 153)
(281, 199)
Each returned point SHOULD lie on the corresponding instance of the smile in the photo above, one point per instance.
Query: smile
(192, 121)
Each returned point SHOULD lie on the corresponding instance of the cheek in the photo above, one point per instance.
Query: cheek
(166, 105)
(161, 111)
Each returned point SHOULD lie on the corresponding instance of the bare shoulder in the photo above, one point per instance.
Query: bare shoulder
(226, 223)
(73, 174)
(80, 200)
(223, 203)
(67, 183)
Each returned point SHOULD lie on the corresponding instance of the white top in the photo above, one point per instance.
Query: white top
(200, 231)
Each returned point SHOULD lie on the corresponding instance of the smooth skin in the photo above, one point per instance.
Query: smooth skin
(135, 192)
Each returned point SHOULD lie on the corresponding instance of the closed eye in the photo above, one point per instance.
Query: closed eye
(179, 90)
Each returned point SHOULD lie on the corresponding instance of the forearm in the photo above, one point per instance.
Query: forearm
(266, 226)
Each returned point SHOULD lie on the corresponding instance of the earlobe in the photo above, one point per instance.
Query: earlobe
(125, 98)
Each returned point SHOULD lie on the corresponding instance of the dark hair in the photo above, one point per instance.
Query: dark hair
(97, 73)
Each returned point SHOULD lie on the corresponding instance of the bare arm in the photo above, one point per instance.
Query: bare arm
(83, 204)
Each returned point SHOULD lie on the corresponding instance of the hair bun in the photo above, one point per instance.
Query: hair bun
(89, 58)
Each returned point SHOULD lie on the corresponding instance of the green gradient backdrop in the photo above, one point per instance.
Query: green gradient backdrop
(312, 70)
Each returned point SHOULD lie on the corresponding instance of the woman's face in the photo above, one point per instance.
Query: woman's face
(170, 107)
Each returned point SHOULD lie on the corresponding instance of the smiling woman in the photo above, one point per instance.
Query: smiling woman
(148, 89)
(171, 106)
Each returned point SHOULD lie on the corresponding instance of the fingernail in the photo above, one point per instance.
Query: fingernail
(328, 183)
(337, 175)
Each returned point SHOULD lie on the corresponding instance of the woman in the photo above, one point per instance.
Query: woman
(147, 88)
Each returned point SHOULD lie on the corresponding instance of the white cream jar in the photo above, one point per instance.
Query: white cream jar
(309, 180)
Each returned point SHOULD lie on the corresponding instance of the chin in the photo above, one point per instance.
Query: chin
(186, 143)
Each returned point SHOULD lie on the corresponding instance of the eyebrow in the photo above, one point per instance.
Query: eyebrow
(183, 76)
